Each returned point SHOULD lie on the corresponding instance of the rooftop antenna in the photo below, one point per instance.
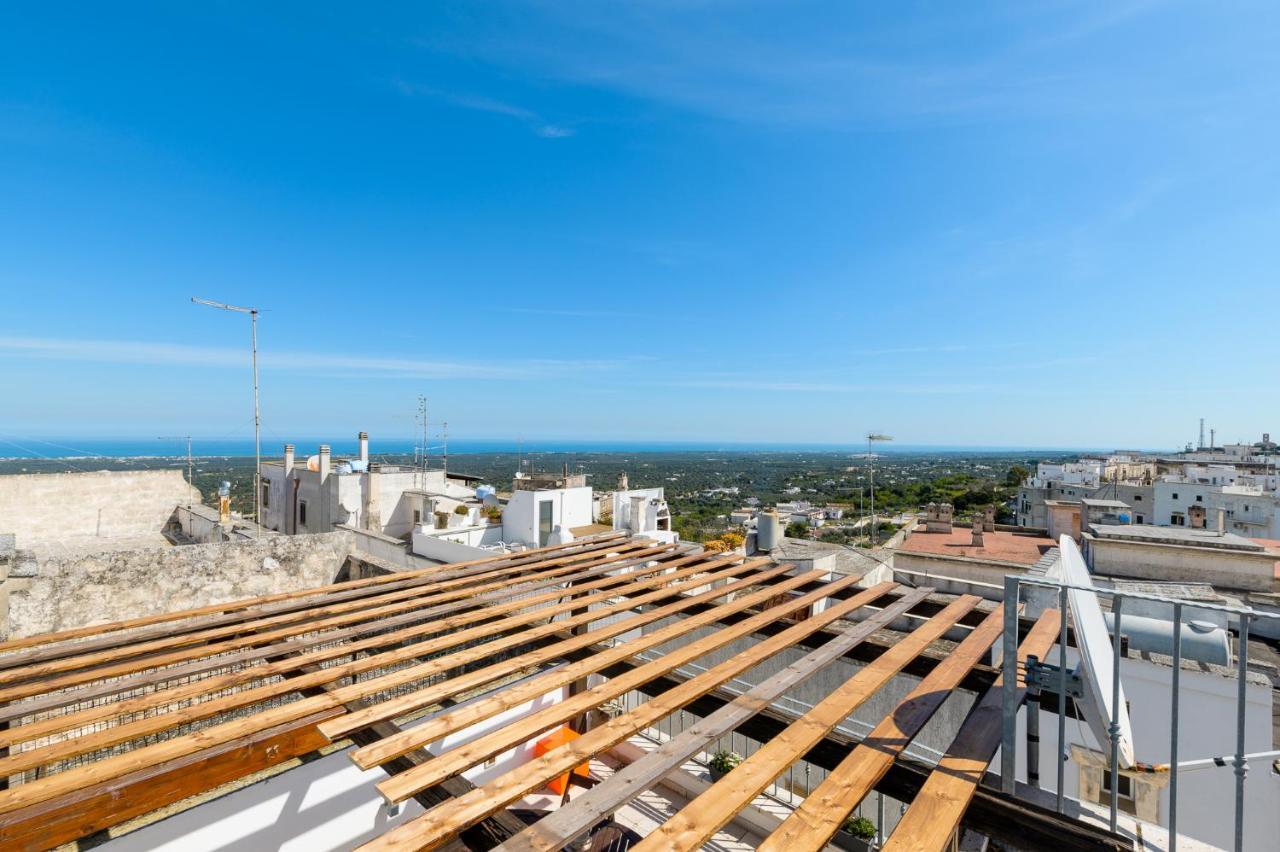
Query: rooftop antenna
(422, 418)
(257, 420)
(1213, 438)
(871, 437)
(187, 438)
(1201, 447)
(445, 435)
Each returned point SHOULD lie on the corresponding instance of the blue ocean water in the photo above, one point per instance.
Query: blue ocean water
(17, 447)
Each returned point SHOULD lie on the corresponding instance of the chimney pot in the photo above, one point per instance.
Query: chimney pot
(364, 447)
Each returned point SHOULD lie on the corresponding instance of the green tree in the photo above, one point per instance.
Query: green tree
(1016, 476)
(797, 529)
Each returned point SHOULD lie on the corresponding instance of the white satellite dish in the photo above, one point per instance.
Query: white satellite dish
(1097, 656)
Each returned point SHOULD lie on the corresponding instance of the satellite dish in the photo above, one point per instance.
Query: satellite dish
(1097, 655)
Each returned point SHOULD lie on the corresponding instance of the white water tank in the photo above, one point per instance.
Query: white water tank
(768, 531)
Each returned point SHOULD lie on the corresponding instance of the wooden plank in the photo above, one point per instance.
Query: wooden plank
(1017, 822)
(64, 681)
(936, 811)
(529, 689)
(100, 806)
(184, 715)
(435, 592)
(178, 672)
(158, 698)
(824, 810)
(63, 782)
(572, 820)
(399, 787)
(436, 826)
(229, 606)
(403, 704)
(705, 815)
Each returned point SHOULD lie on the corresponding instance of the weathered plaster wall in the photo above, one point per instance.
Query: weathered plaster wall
(101, 587)
(103, 504)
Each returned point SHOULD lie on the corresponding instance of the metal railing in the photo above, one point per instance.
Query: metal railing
(1013, 584)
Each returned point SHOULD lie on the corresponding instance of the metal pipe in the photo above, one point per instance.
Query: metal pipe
(1062, 695)
(1033, 728)
(1009, 705)
(1113, 730)
(1241, 762)
(1173, 738)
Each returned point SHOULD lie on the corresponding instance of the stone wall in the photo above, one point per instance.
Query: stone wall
(101, 587)
(102, 504)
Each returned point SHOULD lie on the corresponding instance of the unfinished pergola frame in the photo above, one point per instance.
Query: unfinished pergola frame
(102, 724)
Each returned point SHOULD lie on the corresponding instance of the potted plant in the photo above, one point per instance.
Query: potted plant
(855, 834)
(722, 762)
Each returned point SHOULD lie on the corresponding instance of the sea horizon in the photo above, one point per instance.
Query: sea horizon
(124, 448)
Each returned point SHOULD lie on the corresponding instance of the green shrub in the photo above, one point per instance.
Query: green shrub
(860, 827)
(724, 760)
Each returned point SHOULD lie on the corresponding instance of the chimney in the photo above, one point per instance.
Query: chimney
(324, 462)
(288, 460)
(622, 481)
(977, 532)
(364, 447)
(989, 519)
(1222, 520)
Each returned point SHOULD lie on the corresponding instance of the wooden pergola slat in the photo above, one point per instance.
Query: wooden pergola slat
(575, 818)
(195, 712)
(811, 825)
(524, 557)
(437, 825)
(707, 813)
(935, 814)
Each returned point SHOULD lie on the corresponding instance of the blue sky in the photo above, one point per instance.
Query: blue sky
(993, 223)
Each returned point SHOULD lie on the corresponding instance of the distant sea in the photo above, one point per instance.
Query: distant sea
(26, 448)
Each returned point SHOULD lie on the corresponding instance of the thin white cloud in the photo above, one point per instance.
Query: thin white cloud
(481, 103)
(784, 386)
(171, 354)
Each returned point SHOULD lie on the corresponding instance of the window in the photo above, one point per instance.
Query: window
(417, 517)
(1125, 799)
(1138, 519)
(1199, 499)
(1175, 495)
(1177, 519)
(1137, 498)
(266, 494)
(302, 512)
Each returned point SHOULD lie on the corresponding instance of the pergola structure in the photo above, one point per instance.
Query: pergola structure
(105, 723)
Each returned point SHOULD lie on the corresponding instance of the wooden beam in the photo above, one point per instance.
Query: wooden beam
(513, 696)
(811, 825)
(119, 764)
(184, 715)
(245, 603)
(700, 819)
(403, 704)
(935, 813)
(99, 806)
(292, 659)
(146, 654)
(1015, 822)
(437, 825)
(574, 819)
(150, 679)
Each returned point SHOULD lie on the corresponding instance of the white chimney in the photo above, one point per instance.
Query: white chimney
(324, 462)
(364, 447)
(288, 460)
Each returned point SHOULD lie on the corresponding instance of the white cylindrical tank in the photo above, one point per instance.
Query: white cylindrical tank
(768, 531)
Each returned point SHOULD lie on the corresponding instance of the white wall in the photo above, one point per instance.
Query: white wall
(1206, 728)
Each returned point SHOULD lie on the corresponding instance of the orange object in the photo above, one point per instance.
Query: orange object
(553, 740)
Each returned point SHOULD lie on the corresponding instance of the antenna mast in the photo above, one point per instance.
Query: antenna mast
(874, 436)
(190, 467)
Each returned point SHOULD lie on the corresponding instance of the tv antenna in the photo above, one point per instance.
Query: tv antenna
(190, 466)
(873, 437)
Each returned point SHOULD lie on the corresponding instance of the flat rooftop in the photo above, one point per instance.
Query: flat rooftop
(996, 546)
(1185, 536)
